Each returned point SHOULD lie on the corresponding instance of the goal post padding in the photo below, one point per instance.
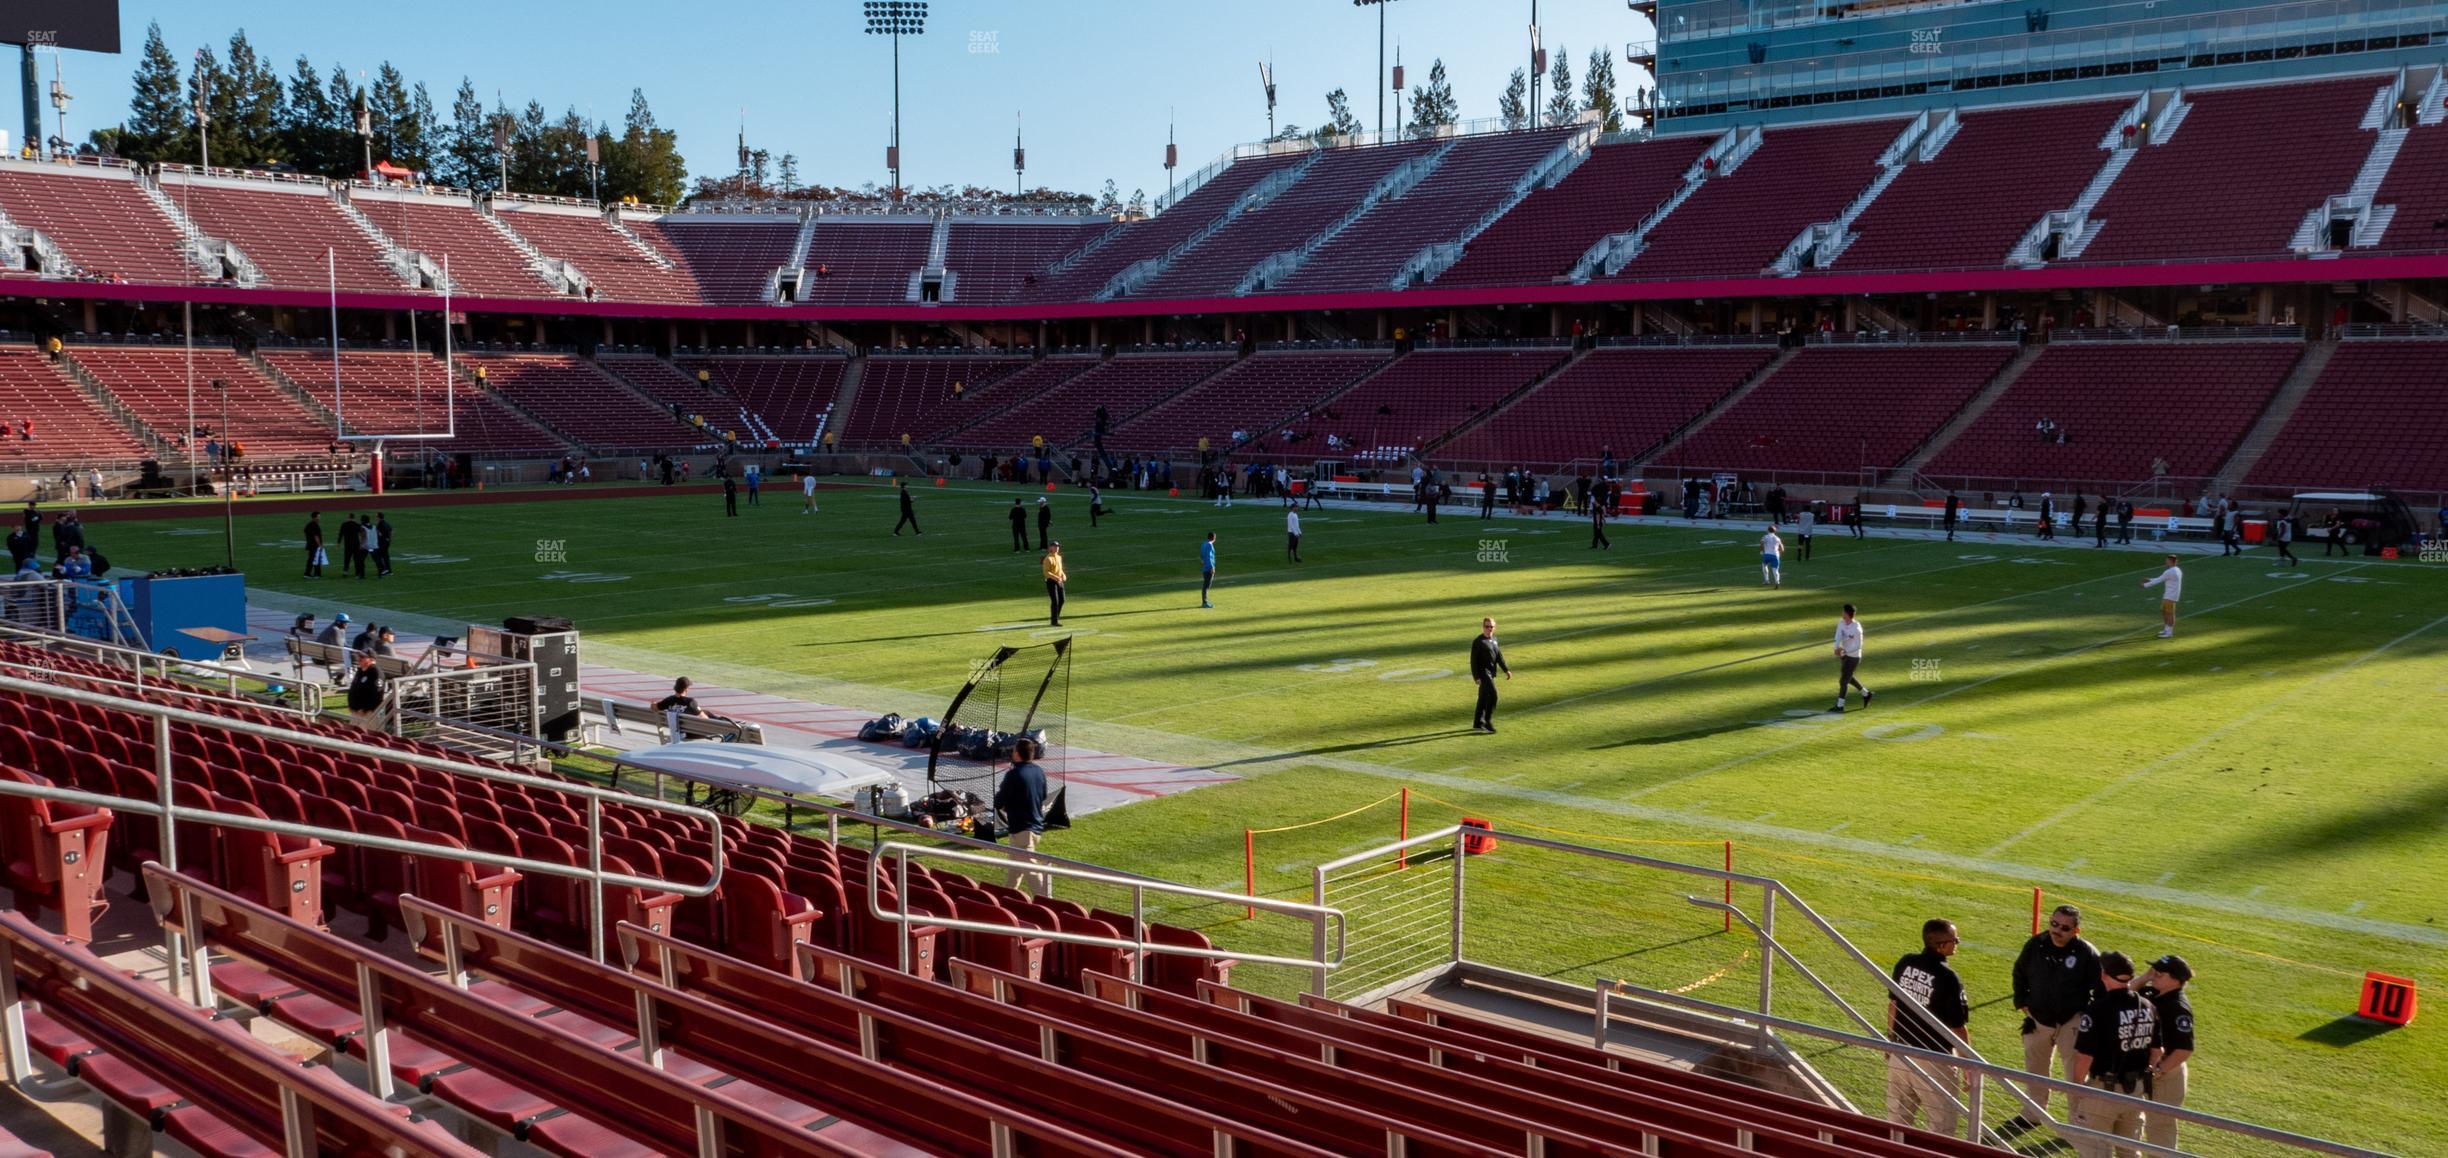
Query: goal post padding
(1016, 692)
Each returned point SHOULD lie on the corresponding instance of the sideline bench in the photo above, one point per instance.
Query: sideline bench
(618, 712)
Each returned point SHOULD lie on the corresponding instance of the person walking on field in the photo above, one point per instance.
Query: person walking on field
(1487, 659)
(1207, 568)
(315, 557)
(1096, 505)
(807, 492)
(1019, 524)
(1597, 518)
(1806, 522)
(1772, 559)
(2282, 532)
(1054, 579)
(1848, 657)
(909, 512)
(1045, 521)
(1954, 508)
(1292, 535)
(2171, 588)
(1922, 1088)
(730, 497)
(382, 545)
(2102, 520)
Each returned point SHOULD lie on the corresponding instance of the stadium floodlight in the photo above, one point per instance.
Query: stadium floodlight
(1381, 72)
(896, 19)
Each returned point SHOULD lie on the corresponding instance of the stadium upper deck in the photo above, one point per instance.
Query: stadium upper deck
(2150, 177)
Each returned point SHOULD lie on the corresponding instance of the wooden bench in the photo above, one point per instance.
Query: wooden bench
(340, 661)
(691, 727)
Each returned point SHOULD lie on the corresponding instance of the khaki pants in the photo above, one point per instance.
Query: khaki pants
(2108, 1118)
(2039, 1043)
(1908, 1092)
(1034, 883)
(2168, 1089)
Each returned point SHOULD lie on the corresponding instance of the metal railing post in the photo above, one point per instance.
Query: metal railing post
(1460, 853)
(20, 1058)
(1601, 991)
(1767, 934)
(1317, 939)
(595, 879)
(173, 942)
(902, 894)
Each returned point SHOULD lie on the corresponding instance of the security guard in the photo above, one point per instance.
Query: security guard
(2055, 978)
(2112, 1051)
(1935, 987)
(2165, 985)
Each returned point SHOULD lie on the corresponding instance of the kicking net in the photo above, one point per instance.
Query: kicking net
(1016, 692)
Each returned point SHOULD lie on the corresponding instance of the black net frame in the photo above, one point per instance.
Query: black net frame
(1016, 692)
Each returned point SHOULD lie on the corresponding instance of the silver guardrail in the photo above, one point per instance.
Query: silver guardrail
(162, 670)
(1774, 895)
(169, 813)
(1319, 916)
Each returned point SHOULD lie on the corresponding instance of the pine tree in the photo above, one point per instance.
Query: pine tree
(467, 151)
(309, 129)
(1560, 107)
(254, 109)
(1138, 206)
(158, 120)
(399, 137)
(786, 173)
(420, 154)
(208, 85)
(1598, 91)
(1109, 200)
(1339, 119)
(1513, 108)
(1432, 104)
(645, 162)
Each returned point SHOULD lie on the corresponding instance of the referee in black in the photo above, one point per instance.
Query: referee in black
(2112, 1051)
(1487, 658)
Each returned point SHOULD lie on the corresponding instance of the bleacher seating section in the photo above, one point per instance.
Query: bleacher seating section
(1119, 248)
(99, 218)
(617, 268)
(1841, 409)
(865, 263)
(1624, 399)
(912, 394)
(2123, 405)
(672, 386)
(1473, 180)
(583, 403)
(1735, 225)
(1416, 400)
(68, 425)
(482, 262)
(992, 261)
(2377, 416)
(285, 228)
(1066, 412)
(155, 383)
(2417, 185)
(2236, 179)
(1968, 206)
(1609, 193)
(1257, 395)
(732, 259)
(400, 392)
(792, 393)
(1330, 188)
(785, 1021)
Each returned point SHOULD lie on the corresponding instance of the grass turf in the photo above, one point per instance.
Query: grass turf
(2255, 794)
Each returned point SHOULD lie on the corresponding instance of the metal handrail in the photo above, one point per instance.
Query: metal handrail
(168, 811)
(1318, 915)
(310, 696)
(2009, 1076)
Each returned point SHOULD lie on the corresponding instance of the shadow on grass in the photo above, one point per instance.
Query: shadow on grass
(2346, 1031)
(1360, 746)
(1688, 734)
(1562, 970)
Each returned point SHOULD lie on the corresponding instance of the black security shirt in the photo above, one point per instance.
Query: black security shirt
(2175, 1020)
(2117, 1033)
(1934, 984)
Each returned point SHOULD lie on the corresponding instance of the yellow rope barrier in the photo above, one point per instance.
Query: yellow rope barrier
(1416, 794)
(1328, 820)
(1712, 978)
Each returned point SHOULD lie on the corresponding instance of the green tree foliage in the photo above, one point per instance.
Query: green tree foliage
(1339, 118)
(158, 122)
(1432, 104)
(466, 159)
(1513, 108)
(1560, 107)
(1598, 91)
(645, 163)
(309, 123)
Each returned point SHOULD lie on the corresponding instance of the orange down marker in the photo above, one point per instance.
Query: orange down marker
(2387, 999)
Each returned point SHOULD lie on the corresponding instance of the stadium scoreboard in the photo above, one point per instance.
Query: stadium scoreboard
(90, 25)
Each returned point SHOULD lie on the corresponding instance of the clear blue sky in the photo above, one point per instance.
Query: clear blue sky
(1095, 79)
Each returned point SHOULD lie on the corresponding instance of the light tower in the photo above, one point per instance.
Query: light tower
(896, 18)
(1381, 72)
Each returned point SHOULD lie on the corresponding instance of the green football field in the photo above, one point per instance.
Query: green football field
(2263, 794)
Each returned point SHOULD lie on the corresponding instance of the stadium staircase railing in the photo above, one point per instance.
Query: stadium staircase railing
(169, 814)
(68, 609)
(1438, 256)
(1408, 905)
(1264, 190)
(146, 671)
